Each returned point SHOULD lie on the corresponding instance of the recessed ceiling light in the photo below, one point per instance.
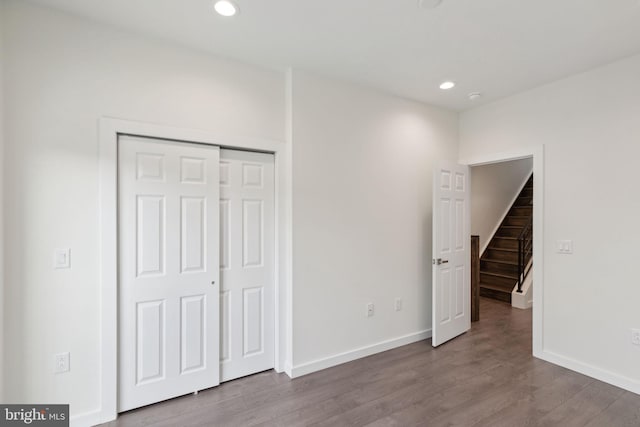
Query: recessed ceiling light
(475, 95)
(447, 85)
(430, 4)
(225, 8)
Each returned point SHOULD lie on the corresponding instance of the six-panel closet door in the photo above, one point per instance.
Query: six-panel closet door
(168, 231)
(247, 259)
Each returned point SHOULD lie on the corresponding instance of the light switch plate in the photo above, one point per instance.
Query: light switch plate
(370, 309)
(62, 258)
(564, 246)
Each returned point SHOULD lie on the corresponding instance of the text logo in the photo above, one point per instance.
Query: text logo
(34, 415)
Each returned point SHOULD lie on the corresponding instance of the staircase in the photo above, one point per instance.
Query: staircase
(499, 262)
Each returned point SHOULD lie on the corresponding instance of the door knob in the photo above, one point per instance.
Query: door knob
(440, 261)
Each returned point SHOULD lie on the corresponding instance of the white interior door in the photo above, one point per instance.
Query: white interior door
(168, 270)
(247, 259)
(451, 253)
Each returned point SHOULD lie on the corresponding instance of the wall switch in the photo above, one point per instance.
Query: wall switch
(635, 336)
(370, 309)
(564, 246)
(398, 304)
(61, 361)
(62, 258)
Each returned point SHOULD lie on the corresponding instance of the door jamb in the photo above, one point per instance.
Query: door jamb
(109, 131)
(537, 153)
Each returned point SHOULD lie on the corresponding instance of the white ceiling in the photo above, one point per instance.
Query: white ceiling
(497, 47)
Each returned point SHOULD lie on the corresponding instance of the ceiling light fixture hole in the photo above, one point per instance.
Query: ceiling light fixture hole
(225, 8)
(447, 85)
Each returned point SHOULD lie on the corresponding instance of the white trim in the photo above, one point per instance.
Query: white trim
(358, 353)
(504, 156)
(538, 230)
(109, 129)
(86, 419)
(287, 202)
(591, 371)
(506, 212)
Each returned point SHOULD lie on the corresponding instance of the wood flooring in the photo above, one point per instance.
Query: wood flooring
(486, 377)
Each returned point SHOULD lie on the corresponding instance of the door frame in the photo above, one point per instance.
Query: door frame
(537, 153)
(109, 131)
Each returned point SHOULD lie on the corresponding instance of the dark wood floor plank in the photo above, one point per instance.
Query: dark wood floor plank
(486, 377)
(624, 412)
(583, 406)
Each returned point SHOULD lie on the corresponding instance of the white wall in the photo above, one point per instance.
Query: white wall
(61, 75)
(493, 188)
(590, 126)
(362, 216)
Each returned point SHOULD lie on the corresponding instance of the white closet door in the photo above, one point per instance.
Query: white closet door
(247, 260)
(168, 270)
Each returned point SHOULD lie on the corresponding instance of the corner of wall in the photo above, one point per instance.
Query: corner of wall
(286, 330)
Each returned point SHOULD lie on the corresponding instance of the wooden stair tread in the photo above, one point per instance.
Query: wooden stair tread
(501, 249)
(504, 276)
(505, 237)
(496, 288)
(499, 261)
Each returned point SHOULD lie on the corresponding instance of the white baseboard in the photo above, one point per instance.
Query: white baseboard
(288, 369)
(591, 371)
(86, 419)
(348, 356)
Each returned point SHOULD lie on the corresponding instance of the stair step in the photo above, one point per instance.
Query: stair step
(513, 277)
(500, 261)
(498, 279)
(508, 268)
(516, 220)
(497, 288)
(509, 255)
(509, 231)
(521, 210)
(493, 292)
(503, 242)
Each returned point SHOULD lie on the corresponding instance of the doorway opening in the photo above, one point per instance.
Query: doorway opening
(502, 223)
(536, 154)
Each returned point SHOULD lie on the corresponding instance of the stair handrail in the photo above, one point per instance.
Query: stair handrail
(525, 248)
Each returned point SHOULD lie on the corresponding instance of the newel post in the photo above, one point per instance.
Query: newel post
(475, 278)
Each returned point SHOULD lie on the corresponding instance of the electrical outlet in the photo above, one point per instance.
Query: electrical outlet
(62, 258)
(61, 361)
(635, 336)
(398, 304)
(370, 309)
